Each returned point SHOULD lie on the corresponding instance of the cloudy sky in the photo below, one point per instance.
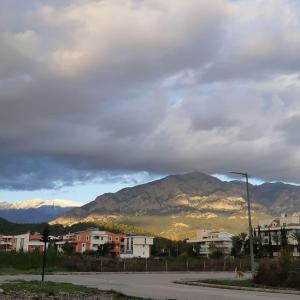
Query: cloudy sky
(97, 95)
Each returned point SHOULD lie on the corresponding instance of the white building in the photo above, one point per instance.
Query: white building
(137, 246)
(28, 242)
(212, 240)
(272, 228)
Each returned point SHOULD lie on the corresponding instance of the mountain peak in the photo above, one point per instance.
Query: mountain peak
(194, 200)
(37, 202)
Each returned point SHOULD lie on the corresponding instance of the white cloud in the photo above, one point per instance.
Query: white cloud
(161, 86)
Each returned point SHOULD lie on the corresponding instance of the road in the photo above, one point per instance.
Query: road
(158, 285)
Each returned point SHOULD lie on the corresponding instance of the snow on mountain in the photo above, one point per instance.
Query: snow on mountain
(36, 203)
(35, 210)
(5, 205)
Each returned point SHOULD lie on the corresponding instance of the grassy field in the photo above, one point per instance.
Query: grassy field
(239, 283)
(48, 290)
(36, 271)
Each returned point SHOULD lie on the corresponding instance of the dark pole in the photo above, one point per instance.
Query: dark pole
(44, 261)
(45, 239)
(249, 221)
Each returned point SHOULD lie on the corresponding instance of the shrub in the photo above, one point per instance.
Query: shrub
(216, 254)
(280, 272)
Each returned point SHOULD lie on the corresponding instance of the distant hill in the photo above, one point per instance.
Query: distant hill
(177, 205)
(35, 210)
(10, 228)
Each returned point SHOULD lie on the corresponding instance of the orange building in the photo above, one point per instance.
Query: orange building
(89, 240)
(92, 239)
(117, 241)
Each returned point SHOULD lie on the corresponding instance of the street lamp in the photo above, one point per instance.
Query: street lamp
(249, 220)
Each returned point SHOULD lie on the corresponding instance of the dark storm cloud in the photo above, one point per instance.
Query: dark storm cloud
(91, 90)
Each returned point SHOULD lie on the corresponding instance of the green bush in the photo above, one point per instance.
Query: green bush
(279, 272)
(216, 254)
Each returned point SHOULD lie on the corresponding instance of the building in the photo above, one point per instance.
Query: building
(137, 247)
(28, 242)
(116, 240)
(270, 232)
(92, 240)
(89, 240)
(207, 241)
(6, 243)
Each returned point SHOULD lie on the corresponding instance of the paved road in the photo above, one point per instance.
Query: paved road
(158, 285)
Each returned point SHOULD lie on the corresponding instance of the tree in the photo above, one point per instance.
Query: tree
(270, 246)
(243, 237)
(68, 248)
(192, 250)
(259, 240)
(283, 237)
(296, 236)
(237, 245)
(276, 239)
(103, 250)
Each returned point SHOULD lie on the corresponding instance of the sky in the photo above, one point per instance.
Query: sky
(99, 95)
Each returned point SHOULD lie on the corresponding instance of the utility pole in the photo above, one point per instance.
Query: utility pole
(249, 220)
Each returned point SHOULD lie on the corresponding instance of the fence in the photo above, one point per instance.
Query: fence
(156, 265)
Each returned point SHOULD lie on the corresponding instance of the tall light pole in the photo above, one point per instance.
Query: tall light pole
(249, 220)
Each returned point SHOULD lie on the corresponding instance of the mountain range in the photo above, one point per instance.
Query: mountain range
(35, 210)
(177, 205)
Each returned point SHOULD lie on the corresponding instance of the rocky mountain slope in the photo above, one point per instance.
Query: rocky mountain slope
(177, 205)
(35, 210)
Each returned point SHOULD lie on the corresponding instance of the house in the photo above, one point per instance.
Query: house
(137, 246)
(28, 242)
(269, 231)
(207, 241)
(89, 240)
(6, 243)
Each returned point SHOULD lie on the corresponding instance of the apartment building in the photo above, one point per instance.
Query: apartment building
(137, 247)
(6, 243)
(270, 231)
(208, 241)
(28, 242)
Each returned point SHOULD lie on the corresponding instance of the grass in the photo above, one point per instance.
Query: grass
(228, 282)
(48, 288)
(40, 289)
(14, 271)
(247, 283)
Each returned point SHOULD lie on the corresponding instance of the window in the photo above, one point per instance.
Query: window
(101, 238)
(117, 238)
(110, 238)
(78, 237)
(87, 238)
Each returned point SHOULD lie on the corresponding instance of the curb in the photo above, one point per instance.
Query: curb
(241, 288)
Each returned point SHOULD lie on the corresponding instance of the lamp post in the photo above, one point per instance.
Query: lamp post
(249, 220)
